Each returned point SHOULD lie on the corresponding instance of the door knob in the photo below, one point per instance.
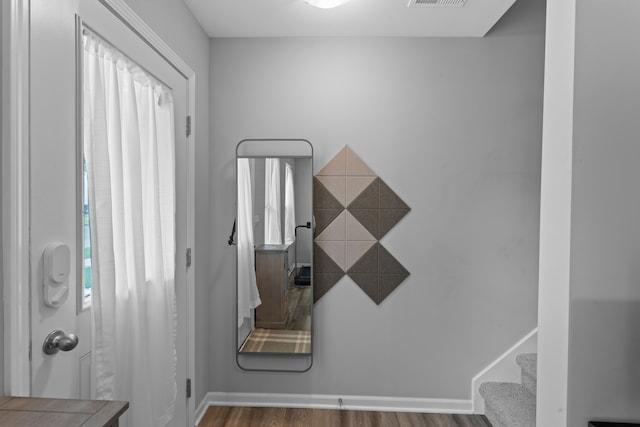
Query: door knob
(58, 340)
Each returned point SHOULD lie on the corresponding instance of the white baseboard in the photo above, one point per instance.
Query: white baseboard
(325, 401)
(503, 369)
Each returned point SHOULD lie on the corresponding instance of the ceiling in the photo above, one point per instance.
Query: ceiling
(385, 18)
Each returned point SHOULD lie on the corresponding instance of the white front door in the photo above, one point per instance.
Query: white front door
(54, 206)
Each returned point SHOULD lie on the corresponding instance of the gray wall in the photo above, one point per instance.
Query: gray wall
(454, 127)
(604, 328)
(175, 24)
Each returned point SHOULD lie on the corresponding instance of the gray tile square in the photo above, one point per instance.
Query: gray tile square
(323, 218)
(368, 263)
(322, 262)
(368, 283)
(387, 283)
(388, 218)
(388, 264)
(369, 198)
(389, 199)
(323, 282)
(322, 197)
(368, 218)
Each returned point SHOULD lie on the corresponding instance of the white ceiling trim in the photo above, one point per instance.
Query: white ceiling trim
(359, 18)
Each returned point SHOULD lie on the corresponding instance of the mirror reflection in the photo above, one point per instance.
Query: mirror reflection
(274, 248)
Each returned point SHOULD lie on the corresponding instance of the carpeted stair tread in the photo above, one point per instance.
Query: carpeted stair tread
(528, 363)
(508, 405)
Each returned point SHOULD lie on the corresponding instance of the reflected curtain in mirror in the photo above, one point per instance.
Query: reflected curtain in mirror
(289, 206)
(248, 297)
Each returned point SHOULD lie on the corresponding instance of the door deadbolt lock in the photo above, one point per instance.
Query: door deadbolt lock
(58, 340)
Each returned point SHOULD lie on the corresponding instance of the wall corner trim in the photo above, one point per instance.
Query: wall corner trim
(326, 401)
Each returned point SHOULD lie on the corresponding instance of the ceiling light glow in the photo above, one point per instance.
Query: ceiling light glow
(326, 4)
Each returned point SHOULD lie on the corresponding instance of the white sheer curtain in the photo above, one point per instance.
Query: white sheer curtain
(248, 296)
(129, 151)
(272, 200)
(289, 206)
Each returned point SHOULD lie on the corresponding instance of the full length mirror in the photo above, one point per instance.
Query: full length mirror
(274, 246)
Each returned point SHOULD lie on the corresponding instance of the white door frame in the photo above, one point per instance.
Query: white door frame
(15, 192)
(15, 200)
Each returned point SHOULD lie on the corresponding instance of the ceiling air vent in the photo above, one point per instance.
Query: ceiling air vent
(437, 3)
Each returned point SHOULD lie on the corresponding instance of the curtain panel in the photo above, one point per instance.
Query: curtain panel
(130, 157)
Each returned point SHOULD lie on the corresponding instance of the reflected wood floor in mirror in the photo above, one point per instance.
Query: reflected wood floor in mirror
(299, 306)
(226, 416)
(295, 336)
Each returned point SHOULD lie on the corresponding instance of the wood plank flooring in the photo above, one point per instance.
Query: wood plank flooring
(227, 416)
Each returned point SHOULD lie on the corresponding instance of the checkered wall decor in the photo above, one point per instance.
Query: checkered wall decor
(354, 209)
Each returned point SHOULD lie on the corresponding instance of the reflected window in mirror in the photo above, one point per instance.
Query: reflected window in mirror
(272, 205)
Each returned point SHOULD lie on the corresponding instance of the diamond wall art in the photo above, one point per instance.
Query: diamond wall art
(354, 209)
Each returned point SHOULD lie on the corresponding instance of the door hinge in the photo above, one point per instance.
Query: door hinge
(188, 387)
(188, 257)
(188, 126)
(30, 346)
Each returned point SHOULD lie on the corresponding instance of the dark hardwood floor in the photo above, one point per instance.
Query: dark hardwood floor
(226, 416)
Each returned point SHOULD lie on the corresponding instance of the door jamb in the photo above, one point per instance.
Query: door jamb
(15, 200)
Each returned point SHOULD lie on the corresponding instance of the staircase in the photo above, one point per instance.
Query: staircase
(513, 404)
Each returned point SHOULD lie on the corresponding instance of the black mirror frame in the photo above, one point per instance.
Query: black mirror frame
(271, 362)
